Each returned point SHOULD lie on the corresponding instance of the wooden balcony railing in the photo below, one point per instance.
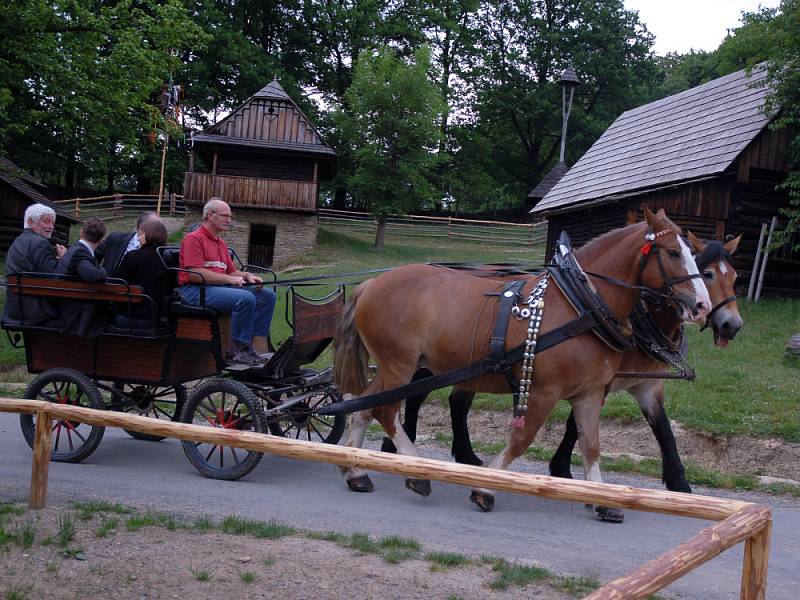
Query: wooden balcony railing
(251, 191)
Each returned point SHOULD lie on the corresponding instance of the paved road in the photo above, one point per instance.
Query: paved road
(560, 536)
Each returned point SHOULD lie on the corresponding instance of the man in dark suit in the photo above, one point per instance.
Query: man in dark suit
(111, 251)
(32, 252)
(82, 317)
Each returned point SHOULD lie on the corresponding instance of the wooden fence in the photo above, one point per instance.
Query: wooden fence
(499, 233)
(738, 521)
(116, 206)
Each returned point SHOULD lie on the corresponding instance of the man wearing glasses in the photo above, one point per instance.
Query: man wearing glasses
(205, 253)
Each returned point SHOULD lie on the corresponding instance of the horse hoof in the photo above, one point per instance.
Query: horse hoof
(420, 486)
(612, 515)
(388, 446)
(360, 484)
(483, 501)
(470, 459)
(559, 472)
(679, 486)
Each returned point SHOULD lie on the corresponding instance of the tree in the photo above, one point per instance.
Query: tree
(772, 36)
(77, 79)
(522, 46)
(394, 122)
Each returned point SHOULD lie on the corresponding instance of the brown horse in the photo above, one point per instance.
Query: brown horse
(719, 276)
(421, 316)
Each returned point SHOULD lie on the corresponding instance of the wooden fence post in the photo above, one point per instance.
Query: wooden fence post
(41, 460)
(754, 273)
(172, 204)
(77, 208)
(754, 570)
(118, 205)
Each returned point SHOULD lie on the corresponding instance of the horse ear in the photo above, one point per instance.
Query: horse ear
(733, 244)
(697, 244)
(649, 216)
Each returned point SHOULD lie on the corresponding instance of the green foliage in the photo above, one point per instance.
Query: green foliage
(77, 78)
(66, 529)
(393, 119)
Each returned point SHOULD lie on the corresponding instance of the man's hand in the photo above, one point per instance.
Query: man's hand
(250, 278)
(60, 250)
(235, 280)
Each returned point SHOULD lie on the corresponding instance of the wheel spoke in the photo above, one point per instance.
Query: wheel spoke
(235, 456)
(210, 452)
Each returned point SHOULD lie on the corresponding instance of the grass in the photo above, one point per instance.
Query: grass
(260, 529)
(508, 573)
(66, 529)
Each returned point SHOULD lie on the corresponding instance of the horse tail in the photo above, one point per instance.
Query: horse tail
(350, 356)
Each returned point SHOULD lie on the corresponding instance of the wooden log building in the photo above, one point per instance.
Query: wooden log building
(18, 190)
(705, 155)
(266, 159)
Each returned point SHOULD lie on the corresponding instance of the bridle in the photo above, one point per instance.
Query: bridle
(651, 295)
(651, 247)
(714, 252)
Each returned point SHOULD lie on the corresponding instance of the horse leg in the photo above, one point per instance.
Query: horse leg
(561, 462)
(650, 397)
(460, 404)
(410, 414)
(389, 417)
(357, 478)
(587, 419)
(519, 441)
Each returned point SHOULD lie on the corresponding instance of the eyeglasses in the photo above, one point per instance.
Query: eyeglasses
(223, 215)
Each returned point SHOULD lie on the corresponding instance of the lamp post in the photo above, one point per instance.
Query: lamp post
(567, 81)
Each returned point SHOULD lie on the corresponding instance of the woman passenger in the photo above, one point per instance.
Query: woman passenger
(144, 267)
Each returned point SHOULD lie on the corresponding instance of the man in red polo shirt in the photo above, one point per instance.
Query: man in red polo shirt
(205, 253)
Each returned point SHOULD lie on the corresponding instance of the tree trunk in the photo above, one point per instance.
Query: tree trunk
(381, 234)
(340, 198)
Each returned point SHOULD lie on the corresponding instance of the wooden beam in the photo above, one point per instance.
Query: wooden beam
(701, 548)
(41, 460)
(754, 571)
(674, 503)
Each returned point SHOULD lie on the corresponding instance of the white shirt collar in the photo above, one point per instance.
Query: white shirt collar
(85, 243)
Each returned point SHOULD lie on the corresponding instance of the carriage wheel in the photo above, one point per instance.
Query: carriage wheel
(72, 441)
(150, 401)
(224, 404)
(300, 424)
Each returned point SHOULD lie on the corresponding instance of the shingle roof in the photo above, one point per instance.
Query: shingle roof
(23, 183)
(549, 180)
(697, 133)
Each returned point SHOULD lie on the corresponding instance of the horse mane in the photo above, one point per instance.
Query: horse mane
(608, 236)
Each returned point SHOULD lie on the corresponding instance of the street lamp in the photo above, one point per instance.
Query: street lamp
(567, 81)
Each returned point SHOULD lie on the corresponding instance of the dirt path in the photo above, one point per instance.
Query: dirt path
(770, 458)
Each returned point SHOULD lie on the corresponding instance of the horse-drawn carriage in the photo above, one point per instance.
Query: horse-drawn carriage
(175, 369)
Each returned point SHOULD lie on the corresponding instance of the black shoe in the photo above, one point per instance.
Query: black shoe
(243, 357)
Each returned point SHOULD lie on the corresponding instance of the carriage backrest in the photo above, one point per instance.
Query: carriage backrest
(315, 319)
(55, 286)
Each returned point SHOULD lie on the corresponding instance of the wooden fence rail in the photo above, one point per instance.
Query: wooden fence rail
(500, 233)
(115, 206)
(738, 521)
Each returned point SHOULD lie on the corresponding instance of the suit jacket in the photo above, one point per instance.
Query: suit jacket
(30, 252)
(111, 250)
(83, 317)
(144, 267)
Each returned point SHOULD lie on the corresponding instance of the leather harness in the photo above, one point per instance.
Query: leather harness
(593, 315)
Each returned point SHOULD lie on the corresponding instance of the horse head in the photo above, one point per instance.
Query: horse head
(714, 262)
(667, 265)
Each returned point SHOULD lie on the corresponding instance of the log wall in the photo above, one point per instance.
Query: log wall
(300, 196)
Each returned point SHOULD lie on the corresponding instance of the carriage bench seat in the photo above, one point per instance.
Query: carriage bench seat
(64, 287)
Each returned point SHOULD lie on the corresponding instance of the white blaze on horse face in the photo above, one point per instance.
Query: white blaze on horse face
(723, 268)
(700, 291)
